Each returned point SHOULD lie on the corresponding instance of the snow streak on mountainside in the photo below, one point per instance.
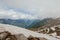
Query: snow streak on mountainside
(27, 33)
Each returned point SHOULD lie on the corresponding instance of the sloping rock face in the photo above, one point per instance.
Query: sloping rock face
(13, 32)
(51, 30)
(8, 36)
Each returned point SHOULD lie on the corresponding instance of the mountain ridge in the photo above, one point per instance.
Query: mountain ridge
(25, 23)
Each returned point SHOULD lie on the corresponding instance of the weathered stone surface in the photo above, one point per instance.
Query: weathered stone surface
(7, 36)
(21, 37)
(11, 37)
(41, 38)
(36, 38)
(3, 35)
(57, 31)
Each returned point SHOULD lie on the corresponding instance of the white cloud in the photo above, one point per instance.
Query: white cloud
(15, 15)
(41, 8)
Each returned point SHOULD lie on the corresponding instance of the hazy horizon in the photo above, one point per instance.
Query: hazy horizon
(29, 9)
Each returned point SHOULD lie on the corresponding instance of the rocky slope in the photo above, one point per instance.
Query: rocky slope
(17, 30)
(52, 27)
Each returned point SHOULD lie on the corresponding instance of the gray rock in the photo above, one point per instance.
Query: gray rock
(3, 35)
(21, 37)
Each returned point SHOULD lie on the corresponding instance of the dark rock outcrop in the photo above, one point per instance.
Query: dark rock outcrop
(57, 31)
(36, 38)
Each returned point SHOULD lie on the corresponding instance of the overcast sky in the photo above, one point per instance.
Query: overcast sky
(32, 8)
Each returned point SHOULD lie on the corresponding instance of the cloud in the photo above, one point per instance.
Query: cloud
(15, 15)
(40, 8)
